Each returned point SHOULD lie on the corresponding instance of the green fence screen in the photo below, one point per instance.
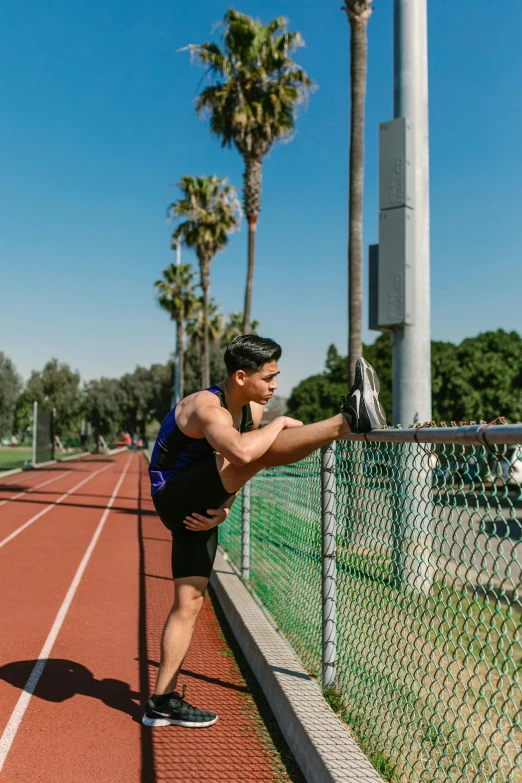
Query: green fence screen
(429, 598)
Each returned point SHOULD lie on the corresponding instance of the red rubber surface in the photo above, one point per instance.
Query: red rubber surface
(82, 724)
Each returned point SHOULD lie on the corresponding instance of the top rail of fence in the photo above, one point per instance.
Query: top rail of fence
(472, 435)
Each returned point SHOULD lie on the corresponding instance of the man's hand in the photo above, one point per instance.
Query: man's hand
(199, 523)
(288, 423)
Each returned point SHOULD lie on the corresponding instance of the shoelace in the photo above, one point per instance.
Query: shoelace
(182, 698)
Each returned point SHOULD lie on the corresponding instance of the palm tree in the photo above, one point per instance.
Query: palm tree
(234, 327)
(212, 212)
(358, 13)
(252, 102)
(176, 296)
(214, 331)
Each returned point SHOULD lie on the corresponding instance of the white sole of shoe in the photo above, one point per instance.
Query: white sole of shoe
(157, 722)
(371, 389)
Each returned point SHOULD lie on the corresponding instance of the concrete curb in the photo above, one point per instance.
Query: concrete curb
(321, 744)
(4, 473)
(41, 464)
(119, 450)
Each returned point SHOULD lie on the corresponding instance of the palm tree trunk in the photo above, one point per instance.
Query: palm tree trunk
(358, 67)
(205, 285)
(252, 202)
(204, 384)
(180, 328)
(252, 226)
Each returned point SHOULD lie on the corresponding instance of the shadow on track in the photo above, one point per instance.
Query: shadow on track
(198, 676)
(62, 679)
(63, 504)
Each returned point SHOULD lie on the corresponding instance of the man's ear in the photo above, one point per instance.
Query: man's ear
(240, 377)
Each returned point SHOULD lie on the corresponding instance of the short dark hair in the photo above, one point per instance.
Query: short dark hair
(250, 352)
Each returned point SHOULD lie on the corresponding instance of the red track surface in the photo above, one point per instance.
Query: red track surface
(82, 723)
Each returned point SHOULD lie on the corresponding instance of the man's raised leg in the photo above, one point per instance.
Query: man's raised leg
(291, 445)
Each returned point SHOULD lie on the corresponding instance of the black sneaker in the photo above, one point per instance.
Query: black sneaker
(171, 709)
(362, 409)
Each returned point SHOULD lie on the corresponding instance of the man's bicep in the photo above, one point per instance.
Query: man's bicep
(218, 428)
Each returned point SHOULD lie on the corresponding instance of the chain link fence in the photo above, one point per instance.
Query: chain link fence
(419, 633)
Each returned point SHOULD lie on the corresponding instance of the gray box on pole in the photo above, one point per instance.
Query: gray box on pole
(396, 267)
(396, 170)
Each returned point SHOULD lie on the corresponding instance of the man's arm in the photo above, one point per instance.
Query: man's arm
(239, 449)
(227, 505)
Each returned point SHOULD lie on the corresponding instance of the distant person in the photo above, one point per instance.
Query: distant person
(83, 441)
(127, 440)
(135, 442)
(102, 446)
(207, 448)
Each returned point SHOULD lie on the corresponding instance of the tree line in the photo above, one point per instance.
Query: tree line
(478, 379)
(111, 405)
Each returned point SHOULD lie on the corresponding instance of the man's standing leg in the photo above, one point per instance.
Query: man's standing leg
(189, 595)
(166, 706)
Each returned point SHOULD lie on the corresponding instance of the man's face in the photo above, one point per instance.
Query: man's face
(261, 384)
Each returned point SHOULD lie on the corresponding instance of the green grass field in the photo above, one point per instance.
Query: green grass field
(13, 458)
(10, 458)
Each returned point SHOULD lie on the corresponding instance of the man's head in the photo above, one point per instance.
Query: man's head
(252, 363)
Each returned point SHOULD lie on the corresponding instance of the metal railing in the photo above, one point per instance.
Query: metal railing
(393, 565)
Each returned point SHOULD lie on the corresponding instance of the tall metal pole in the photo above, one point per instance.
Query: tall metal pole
(412, 344)
(412, 533)
(176, 396)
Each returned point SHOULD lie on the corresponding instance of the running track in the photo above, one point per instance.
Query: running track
(84, 591)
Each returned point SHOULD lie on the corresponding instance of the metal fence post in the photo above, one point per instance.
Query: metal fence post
(245, 532)
(328, 518)
(35, 425)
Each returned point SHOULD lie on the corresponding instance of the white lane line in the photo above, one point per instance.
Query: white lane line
(52, 505)
(23, 702)
(32, 489)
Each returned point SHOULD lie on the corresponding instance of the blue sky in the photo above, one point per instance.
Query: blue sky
(98, 125)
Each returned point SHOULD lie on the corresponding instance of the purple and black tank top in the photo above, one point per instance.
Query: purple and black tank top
(174, 451)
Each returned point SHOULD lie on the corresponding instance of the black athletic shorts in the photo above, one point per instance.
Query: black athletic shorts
(196, 488)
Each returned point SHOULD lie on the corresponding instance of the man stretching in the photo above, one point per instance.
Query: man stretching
(208, 447)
